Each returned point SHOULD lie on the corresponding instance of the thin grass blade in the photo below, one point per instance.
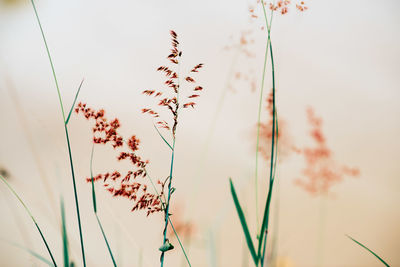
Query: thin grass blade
(92, 179)
(162, 137)
(66, 134)
(33, 218)
(95, 209)
(180, 243)
(31, 252)
(105, 239)
(373, 253)
(64, 234)
(244, 223)
(73, 104)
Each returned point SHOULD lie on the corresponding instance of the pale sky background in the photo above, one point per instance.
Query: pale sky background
(340, 57)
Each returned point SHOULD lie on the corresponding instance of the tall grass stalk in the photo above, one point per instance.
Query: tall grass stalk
(170, 173)
(262, 234)
(163, 203)
(95, 208)
(258, 126)
(33, 218)
(168, 201)
(66, 132)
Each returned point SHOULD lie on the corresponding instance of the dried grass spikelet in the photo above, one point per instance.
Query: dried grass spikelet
(173, 96)
(129, 185)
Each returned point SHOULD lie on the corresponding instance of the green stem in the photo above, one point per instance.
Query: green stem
(258, 128)
(168, 200)
(33, 218)
(95, 208)
(163, 203)
(64, 233)
(264, 227)
(180, 243)
(262, 242)
(75, 195)
(49, 56)
(105, 239)
(268, 26)
(66, 131)
(370, 251)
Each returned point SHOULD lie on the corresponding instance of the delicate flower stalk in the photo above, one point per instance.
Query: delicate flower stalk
(66, 133)
(258, 254)
(172, 103)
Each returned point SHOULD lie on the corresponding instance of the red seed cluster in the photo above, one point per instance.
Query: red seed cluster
(171, 103)
(321, 171)
(282, 6)
(119, 185)
(301, 6)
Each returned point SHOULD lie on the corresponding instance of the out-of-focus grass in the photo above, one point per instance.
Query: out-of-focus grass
(30, 215)
(65, 121)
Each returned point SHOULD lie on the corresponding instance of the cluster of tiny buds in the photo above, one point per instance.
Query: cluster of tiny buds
(173, 82)
(282, 6)
(119, 185)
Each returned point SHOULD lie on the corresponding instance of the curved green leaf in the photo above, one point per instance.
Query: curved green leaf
(244, 224)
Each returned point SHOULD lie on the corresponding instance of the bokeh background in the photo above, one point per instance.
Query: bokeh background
(340, 57)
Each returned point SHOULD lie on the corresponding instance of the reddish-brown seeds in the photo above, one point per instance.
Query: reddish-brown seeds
(117, 184)
(172, 81)
(190, 79)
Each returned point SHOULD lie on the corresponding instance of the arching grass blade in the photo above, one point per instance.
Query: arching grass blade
(244, 224)
(373, 253)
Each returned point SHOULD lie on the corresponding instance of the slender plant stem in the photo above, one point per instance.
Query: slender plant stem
(180, 243)
(95, 208)
(33, 218)
(66, 132)
(258, 129)
(264, 228)
(268, 27)
(168, 200)
(172, 167)
(76, 196)
(272, 164)
(105, 239)
(163, 203)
